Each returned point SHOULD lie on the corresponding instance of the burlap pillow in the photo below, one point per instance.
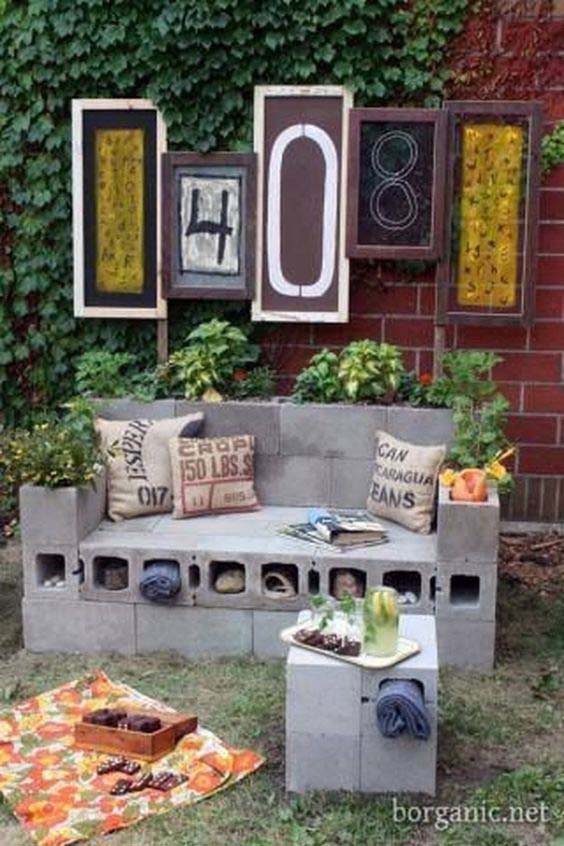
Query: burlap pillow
(404, 482)
(139, 476)
(213, 475)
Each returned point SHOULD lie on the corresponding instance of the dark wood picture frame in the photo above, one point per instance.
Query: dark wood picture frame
(300, 137)
(531, 113)
(99, 115)
(355, 248)
(179, 283)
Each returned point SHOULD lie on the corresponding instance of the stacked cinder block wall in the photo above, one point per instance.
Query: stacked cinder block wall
(501, 56)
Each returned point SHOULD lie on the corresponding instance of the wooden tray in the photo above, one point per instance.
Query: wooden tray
(406, 648)
(136, 744)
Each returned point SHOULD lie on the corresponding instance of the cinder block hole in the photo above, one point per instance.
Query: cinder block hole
(193, 576)
(419, 684)
(172, 565)
(111, 573)
(465, 590)
(433, 588)
(313, 584)
(50, 569)
(227, 577)
(406, 582)
(279, 581)
(343, 580)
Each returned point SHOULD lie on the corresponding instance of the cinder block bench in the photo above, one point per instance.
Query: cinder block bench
(332, 740)
(306, 456)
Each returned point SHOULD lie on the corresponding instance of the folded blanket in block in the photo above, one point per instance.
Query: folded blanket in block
(161, 581)
(400, 708)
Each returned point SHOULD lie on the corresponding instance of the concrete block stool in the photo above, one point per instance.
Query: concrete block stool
(332, 740)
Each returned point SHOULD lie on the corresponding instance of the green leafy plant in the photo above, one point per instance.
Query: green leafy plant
(553, 148)
(100, 373)
(479, 434)
(466, 373)
(369, 371)
(363, 372)
(260, 382)
(55, 453)
(213, 352)
(319, 381)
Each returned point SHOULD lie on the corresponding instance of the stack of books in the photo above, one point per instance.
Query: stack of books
(341, 530)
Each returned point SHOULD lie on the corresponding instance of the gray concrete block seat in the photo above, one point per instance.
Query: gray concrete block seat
(311, 455)
(201, 545)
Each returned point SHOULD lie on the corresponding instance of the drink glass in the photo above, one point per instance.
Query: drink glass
(381, 622)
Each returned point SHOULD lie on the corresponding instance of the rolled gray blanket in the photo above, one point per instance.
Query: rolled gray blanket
(400, 708)
(161, 581)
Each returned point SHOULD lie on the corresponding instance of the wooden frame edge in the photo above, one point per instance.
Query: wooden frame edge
(439, 118)
(78, 106)
(227, 158)
(516, 108)
(258, 314)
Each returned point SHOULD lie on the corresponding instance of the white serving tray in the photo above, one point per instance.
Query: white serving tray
(406, 648)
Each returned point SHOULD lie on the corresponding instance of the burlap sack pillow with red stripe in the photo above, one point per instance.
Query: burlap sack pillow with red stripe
(213, 475)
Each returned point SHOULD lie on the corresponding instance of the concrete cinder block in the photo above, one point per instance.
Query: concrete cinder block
(136, 559)
(322, 762)
(292, 480)
(466, 643)
(131, 409)
(60, 515)
(400, 764)
(425, 426)
(78, 626)
(322, 695)
(194, 632)
(466, 590)
(43, 561)
(340, 431)
(261, 419)
(267, 626)
(467, 531)
(350, 482)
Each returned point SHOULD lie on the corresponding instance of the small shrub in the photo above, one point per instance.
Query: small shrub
(363, 372)
(369, 371)
(53, 454)
(101, 374)
(466, 373)
(319, 381)
(260, 382)
(213, 352)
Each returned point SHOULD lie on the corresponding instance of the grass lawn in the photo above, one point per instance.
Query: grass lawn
(501, 738)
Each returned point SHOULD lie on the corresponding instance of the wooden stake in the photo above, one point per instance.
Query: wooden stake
(439, 336)
(162, 341)
(439, 340)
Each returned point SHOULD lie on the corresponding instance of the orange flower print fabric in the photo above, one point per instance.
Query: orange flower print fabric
(54, 789)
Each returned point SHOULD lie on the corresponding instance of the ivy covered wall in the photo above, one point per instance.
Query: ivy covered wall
(198, 60)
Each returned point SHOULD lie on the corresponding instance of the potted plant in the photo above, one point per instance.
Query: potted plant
(58, 467)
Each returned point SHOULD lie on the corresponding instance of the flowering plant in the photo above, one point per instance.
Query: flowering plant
(54, 454)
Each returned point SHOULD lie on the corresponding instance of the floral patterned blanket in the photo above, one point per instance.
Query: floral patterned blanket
(53, 788)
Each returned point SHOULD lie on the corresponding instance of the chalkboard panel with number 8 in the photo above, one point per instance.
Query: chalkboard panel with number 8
(395, 189)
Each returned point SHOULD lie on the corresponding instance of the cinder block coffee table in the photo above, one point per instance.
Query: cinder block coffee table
(332, 739)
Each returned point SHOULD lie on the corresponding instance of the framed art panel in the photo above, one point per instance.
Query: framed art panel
(301, 143)
(209, 210)
(116, 212)
(395, 196)
(489, 267)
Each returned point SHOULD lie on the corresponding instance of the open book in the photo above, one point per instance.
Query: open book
(338, 529)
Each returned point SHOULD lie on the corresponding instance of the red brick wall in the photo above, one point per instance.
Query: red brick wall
(522, 61)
